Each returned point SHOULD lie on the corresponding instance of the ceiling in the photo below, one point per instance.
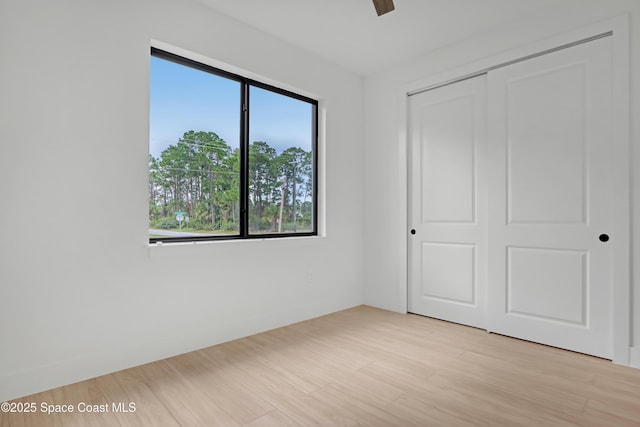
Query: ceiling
(349, 33)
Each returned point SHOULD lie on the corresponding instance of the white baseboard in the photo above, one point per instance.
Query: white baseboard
(634, 357)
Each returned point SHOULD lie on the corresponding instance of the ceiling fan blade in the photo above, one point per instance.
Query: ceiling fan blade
(383, 6)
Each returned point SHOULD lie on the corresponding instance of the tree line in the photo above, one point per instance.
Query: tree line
(200, 176)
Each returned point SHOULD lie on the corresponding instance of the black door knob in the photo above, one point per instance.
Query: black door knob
(604, 237)
(413, 231)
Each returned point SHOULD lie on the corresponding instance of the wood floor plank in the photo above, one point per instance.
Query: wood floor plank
(417, 412)
(512, 383)
(274, 418)
(358, 367)
(593, 418)
(506, 399)
(222, 385)
(363, 407)
(628, 409)
(126, 387)
(184, 400)
(306, 410)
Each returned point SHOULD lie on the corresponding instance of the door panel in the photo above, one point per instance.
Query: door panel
(550, 180)
(547, 284)
(546, 127)
(448, 272)
(447, 161)
(448, 203)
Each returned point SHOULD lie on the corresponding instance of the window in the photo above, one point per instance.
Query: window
(229, 157)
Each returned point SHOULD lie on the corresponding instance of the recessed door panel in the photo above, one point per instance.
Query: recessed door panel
(447, 161)
(546, 146)
(547, 284)
(448, 272)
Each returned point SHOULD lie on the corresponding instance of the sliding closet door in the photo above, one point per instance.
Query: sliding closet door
(448, 203)
(550, 217)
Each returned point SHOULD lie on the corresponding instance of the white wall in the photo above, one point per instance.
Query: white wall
(384, 233)
(81, 294)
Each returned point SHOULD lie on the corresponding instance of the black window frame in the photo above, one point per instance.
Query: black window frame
(245, 85)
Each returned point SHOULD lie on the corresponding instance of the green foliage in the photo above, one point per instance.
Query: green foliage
(166, 223)
(200, 175)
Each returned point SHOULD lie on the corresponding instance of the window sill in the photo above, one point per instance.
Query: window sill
(163, 249)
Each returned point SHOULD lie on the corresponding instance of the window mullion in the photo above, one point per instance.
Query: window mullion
(244, 159)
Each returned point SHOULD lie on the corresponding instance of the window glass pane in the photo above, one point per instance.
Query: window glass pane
(194, 159)
(281, 150)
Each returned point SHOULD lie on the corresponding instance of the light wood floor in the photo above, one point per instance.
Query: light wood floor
(361, 366)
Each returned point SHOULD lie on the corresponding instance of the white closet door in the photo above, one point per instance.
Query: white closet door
(448, 203)
(550, 275)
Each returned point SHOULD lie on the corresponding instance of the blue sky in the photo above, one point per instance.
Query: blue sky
(184, 99)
